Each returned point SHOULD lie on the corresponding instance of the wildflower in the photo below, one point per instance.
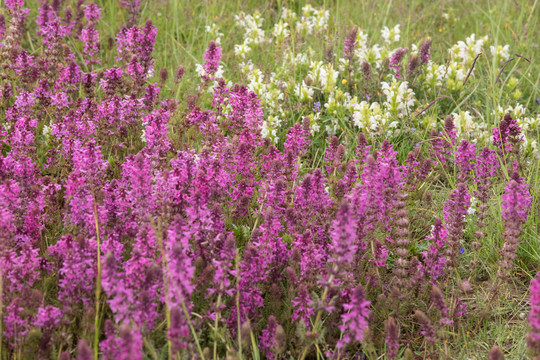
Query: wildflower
(465, 155)
(433, 258)
(507, 136)
(392, 340)
(495, 353)
(427, 329)
(272, 341)
(424, 51)
(455, 210)
(350, 43)
(437, 299)
(516, 202)
(390, 35)
(533, 337)
(212, 57)
(399, 98)
(354, 323)
(343, 245)
(84, 352)
(395, 60)
(501, 53)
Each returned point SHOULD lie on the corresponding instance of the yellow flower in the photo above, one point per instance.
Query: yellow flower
(440, 29)
(343, 82)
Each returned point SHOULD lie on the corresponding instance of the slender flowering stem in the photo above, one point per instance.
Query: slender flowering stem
(166, 281)
(238, 324)
(188, 318)
(319, 313)
(98, 286)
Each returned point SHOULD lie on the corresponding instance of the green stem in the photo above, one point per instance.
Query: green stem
(98, 287)
(186, 313)
(238, 332)
(216, 326)
(158, 234)
(319, 315)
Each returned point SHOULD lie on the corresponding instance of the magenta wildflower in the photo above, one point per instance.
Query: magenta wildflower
(179, 273)
(298, 139)
(533, 338)
(395, 60)
(455, 209)
(434, 261)
(92, 12)
(90, 38)
(427, 329)
(77, 268)
(48, 317)
(516, 202)
(437, 299)
(354, 323)
(465, 155)
(212, 57)
(302, 306)
(443, 142)
(507, 136)
(392, 337)
(350, 44)
(272, 340)
(424, 51)
(343, 247)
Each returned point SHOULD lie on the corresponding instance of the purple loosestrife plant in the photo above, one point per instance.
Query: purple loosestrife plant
(464, 158)
(455, 210)
(433, 258)
(350, 44)
(135, 48)
(392, 337)
(344, 242)
(486, 167)
(443, 142)
(533, 337)
(395, 60)
(334, 156)
(75, 261)
(426, 326)
(424, 51)
(212, 57)
(437, 300)
(89, 34)
(128, 345)
(354, 323)
(179, 271)
(133, 286)
(272, 341)
(516, 202)
(507, 137)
